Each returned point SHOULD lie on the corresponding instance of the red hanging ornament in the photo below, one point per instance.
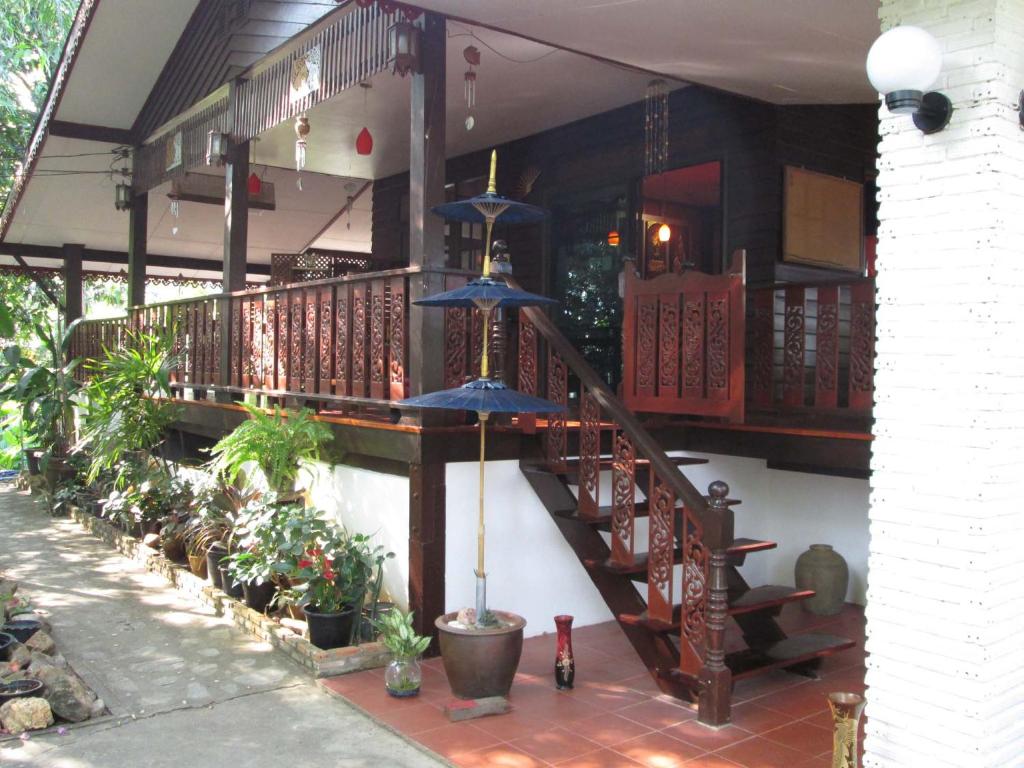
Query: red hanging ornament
(364, 142)
(255, 184)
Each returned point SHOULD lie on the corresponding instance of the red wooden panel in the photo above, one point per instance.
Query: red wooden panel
(237, 325)
(660, 551)
(193, 343)
(258, 340)
(215, 342)
(826, 359)
(360, 345)
(793, 346)
(310, 341)
(718, 345)
(378, 357)
(862, 345)
(270, 321)
(694, 329)
(342, 343)
(202, 362)
(325, 338)
(526, 368)
(668, 345)
(398, 383)
(646, 341)
(476, 335)
(623, 501)
(762, 341)
(456, 347)
(296, 324)
(283, 329)
(693, 616)
(590, 455)
(556, 438)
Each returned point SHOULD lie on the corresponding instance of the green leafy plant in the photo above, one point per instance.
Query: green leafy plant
(335, 574)
(398, 636)
(257, 542)
(278, 443)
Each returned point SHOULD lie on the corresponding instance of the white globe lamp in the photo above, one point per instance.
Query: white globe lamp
(902, 64)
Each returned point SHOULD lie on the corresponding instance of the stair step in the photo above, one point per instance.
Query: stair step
(603, 518)
(785, 653)
(606, 462)
(746, 546)
(638, 569)
(756, 599)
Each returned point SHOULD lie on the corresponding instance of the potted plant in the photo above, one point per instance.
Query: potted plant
(259, 556)
(403, 676)
(278, 443)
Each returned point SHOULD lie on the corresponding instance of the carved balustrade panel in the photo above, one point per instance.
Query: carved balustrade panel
(556, 439)
(660, 551)
(398, 383)
(794, 345)
(623, 521)
(826, 367)
(590, 455)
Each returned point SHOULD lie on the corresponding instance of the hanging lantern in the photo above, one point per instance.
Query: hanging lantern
(301, 132)
(216, 148)
(403, 48)
(255, 184)
(664, 233)
(614, 239)
(364, 142)
(123, 197)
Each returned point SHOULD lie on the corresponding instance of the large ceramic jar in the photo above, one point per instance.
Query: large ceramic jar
(824, 570)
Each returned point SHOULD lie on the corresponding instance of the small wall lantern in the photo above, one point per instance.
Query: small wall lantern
(404, 48)
(902, 64)
(122, 197)
(216, 148)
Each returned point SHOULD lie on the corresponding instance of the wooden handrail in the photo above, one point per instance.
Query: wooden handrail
(717, 528)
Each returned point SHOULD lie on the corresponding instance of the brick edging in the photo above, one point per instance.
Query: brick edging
(337, 661)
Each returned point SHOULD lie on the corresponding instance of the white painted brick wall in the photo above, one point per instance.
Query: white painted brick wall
(946, 571)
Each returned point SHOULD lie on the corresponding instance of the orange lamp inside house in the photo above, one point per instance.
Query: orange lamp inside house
(613, 238)
(664, 233)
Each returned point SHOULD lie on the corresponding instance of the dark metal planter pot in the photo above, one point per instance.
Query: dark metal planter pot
(213, 558)
(481, 663)
(22, 629)
(231, 589)
(7, 642)
(20, 689)
(258, 596)
(329, 630)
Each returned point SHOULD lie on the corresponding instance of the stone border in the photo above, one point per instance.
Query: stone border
(337, 661)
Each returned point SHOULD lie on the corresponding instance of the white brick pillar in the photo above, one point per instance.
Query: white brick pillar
(946, 571)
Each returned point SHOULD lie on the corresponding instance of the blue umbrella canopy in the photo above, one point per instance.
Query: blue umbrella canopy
(484, 293)
(484, 396)
(490, 206)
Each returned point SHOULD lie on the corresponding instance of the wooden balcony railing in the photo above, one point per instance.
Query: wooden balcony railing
(811, 347)
(342, 341)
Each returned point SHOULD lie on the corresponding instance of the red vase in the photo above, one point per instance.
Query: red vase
(565, 665)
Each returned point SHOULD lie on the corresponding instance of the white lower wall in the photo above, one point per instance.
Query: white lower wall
(532, 571)
(373, 503)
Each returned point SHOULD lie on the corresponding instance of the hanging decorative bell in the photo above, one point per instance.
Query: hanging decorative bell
(364, 142)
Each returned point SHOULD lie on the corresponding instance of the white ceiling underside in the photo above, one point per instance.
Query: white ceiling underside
(786, 51)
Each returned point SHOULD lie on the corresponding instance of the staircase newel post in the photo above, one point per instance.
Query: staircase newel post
(716, 679)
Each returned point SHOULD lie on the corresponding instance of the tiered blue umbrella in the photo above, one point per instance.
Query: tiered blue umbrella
(485, 395)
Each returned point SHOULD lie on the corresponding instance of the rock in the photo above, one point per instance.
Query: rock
(8, 587)
(29, 714)
(20, 657)
(98, 709)
(67, 695)
(458, 710)
(151, 540)
(41, 660)
(43, 619)
(42, 642)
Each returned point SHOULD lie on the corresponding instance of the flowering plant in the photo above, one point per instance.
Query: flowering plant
(333, 574)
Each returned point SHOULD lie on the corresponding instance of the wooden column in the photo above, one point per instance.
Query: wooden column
(72, 282)
(426, 546)
(236, 215)
(426, 189)
(138, 216)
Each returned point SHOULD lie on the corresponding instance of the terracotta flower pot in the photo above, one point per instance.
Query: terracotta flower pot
(481, 662)
(197, 564)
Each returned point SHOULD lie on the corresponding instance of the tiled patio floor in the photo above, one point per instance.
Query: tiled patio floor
(616, 716)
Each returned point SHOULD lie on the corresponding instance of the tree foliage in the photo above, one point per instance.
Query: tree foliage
(32, 35)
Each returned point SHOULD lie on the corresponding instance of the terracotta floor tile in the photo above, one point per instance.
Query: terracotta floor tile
(757, 719)
(707, 738)
(413, 718)
(753, 688)
(498, 756)
(516, 724)
(642, 683)
(602, 758)
(709, 761)
(608, 729)
(609, 696)
(759, 752)
(456, 739)
(657, 713)
(800, 702)
(803, 736)
(658, 750)
(555, 744)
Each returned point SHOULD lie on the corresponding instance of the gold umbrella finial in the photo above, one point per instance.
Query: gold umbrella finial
(492, 183)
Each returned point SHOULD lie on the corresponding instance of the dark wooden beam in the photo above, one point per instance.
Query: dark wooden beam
(426, 546)
(426, 189)
(101, 256)
(138, 216)
(72, 282)
(39, 282)
(103, 133)
(236, 206)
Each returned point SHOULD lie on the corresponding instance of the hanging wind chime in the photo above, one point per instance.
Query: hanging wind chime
(472, 56)
(301, 132)
(175, 207)
(656, 142)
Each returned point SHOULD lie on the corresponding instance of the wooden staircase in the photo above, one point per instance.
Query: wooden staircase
(680, 637)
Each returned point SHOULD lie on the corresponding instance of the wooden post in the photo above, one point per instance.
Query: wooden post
(138, 216)
(714, 704)
(72, 282)
(236, 215)
(426, 189)
(426, 546)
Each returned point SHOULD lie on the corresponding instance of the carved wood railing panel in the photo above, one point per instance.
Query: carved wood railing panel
(811, 347)
(683, 343)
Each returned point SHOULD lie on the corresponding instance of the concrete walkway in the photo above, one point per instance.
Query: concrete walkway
(184, 687)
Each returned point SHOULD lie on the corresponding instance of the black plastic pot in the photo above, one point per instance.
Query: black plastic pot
(7, 642)
(258, 596)
(22, 629)
(231, 589)
(213, 558)
(329, 630)
(20, 689)
(32, 459)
